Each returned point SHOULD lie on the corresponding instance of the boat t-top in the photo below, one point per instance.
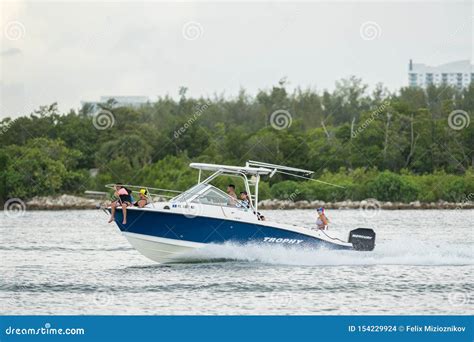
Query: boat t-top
(168, 230)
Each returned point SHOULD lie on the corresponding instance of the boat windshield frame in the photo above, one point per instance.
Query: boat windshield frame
(231, 171)
(189, 194)
(196, 192)
(249, 184)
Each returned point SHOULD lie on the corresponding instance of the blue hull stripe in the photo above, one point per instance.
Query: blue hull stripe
(212, 230)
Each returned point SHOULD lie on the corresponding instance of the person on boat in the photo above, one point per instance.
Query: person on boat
(231, 191)
(232, 194)
(322, 221)
(143, 199)
(244, 199)
(124, 200)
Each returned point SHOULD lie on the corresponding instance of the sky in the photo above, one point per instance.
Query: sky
(66, 52)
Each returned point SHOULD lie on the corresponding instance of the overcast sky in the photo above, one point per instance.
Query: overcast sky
(67, 52)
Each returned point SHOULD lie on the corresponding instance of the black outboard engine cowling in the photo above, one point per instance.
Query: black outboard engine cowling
(362, 239)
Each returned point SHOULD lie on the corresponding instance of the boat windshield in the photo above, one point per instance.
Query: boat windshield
(215, 196)
(188, 195)
(207, 194)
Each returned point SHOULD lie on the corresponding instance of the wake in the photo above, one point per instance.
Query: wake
(396, 252)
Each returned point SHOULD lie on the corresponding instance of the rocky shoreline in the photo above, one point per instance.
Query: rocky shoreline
(64, 202)
(369, 203)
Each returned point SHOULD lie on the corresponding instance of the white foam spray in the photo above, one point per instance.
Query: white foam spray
(396, 252)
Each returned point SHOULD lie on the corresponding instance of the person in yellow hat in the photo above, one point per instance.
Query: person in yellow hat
(143, 200)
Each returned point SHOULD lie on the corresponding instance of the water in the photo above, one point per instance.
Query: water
(73, 262)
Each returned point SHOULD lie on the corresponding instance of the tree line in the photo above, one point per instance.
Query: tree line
(412, 144)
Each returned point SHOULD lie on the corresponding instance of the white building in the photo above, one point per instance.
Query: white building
(119, 101)
(458, 74)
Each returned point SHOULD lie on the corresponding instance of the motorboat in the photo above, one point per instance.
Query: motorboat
(169, 228)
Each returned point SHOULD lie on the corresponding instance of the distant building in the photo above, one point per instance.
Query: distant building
(119, 101)
(457, 74)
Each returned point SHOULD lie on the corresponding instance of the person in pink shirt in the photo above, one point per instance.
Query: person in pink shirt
(124, 200)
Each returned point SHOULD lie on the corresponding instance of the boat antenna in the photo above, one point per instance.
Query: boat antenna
(278, 167)
(311, 179)
(294, 172)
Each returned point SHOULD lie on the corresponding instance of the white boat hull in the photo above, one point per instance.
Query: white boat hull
(161, 250)
(166, 235)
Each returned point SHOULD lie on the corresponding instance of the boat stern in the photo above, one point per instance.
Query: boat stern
(362, 239)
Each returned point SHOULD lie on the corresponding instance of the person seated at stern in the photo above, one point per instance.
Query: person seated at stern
(322, 220)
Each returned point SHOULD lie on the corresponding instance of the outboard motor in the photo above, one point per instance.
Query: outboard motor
(362, 239)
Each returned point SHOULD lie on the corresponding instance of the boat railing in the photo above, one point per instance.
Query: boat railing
(153, 194)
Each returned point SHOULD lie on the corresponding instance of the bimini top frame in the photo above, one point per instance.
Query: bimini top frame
(254, 169)
(278, 168)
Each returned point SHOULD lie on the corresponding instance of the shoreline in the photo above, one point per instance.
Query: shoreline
(367, 204)
(68, 202)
